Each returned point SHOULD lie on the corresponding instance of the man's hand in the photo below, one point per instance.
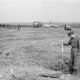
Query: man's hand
(78, 54)
(62, 42)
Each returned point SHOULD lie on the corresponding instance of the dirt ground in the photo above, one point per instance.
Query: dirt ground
(29, 52)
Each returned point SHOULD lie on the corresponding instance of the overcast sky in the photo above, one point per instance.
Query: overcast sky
(39, 10)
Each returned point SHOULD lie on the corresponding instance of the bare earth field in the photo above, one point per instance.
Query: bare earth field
(30, 52)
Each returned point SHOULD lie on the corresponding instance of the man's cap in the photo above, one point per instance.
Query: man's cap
(71, 33)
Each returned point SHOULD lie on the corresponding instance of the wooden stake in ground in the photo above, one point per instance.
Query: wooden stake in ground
(62, 53)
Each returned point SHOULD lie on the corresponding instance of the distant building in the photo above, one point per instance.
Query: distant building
(55, 26)
(52, 25)
(46, 25)
(37, 24)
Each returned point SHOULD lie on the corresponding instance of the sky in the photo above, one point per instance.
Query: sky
(39, 10)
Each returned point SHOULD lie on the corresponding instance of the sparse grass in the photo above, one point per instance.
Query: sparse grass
(39, 45)
(33, 47)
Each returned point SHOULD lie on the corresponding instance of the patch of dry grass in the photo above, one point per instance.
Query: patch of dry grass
(33, 46)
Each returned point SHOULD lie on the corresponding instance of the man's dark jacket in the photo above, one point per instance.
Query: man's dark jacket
(75, 51)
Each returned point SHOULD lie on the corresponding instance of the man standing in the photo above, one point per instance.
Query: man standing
(75, 50)
(18, 27)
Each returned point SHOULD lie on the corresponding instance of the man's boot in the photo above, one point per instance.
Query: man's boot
(75, 71)
(71, 71)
